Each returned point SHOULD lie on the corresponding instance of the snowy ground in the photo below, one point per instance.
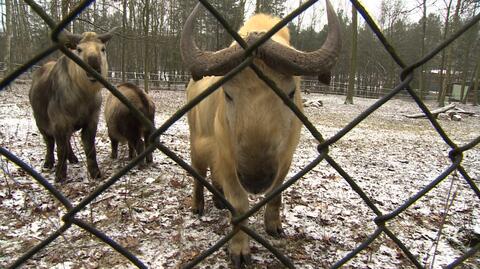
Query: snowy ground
(390, 156)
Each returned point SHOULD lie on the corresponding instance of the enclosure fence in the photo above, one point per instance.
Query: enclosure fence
(178, 82)
(381, 220)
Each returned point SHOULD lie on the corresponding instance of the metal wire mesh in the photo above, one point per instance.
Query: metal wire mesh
(69, 219)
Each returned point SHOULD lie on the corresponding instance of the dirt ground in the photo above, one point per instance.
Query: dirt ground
(391, 158)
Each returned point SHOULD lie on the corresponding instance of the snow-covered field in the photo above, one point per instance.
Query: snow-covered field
(390, 156)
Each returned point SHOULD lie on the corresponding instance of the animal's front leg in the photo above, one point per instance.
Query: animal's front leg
(49, 159)
(88, 141)
(146, 136)
(139, 148)
(200, 165)
(236, 195)
(62, 139)
(272, 219)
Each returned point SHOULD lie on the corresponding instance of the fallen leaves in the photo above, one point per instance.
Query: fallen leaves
(148, 211)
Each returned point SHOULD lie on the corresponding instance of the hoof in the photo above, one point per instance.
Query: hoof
(241, 260)
(276, 232)
(73, 159)
(60, 178)
(48, 165)
(95, 173)
(218, 204)
(198, 211)
(149, 158)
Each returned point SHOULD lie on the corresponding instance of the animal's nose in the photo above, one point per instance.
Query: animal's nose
(258, 180)
(94, 62)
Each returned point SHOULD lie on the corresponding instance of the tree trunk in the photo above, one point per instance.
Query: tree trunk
(65, 8)
(8, 36)
(353, 59)
(124, 33)
(423, 90)
(442, 66)
(299, 24)
(146, 27)
(447, 79)
(476, 83)
(471, 42)
(434, 112)
(465, 75)
(25, 33)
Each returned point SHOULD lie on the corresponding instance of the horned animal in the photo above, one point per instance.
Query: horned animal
(243, 132)
(65, 98)
(122, 124)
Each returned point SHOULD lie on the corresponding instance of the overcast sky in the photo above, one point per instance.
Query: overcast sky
(372, 6)
(317, 11)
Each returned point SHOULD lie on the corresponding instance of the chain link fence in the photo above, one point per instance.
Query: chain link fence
(69, 219)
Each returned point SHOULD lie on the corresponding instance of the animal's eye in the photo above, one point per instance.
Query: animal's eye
(291, 94)
(79, 50)
(103, 49)
(229, 98)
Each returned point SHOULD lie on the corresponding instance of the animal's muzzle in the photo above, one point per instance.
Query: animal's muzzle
(258, 180)
(95, 64)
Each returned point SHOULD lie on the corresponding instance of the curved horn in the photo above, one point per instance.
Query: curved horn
(108, 35)
(320, 62)
(206, 63)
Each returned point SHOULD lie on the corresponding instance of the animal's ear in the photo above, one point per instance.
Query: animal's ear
(107, 36)
(325, 77)
(72, 40)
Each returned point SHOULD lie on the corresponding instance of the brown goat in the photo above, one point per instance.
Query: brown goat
(122, 124)
(65, 98)
(244, 132)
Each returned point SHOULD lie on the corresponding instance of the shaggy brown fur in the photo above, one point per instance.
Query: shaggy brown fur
(65, 99)
(122, 124)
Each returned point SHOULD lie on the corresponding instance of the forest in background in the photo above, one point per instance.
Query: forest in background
(148, 38)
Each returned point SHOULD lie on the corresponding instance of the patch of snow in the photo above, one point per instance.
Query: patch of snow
(390, 158)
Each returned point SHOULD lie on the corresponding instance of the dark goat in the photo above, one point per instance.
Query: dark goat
(65, 99)
(122, 124)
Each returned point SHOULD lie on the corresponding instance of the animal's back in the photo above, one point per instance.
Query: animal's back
(142, 101)
(120, 120)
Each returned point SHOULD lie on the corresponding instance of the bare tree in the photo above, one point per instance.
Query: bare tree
(146, 27)
(471, 42)
(476, 83)
(8, 36)
(299, 22)
(65, 9)
(353, 59)
(392, 14)
(447, 77)
(424, 33)
(124, 33)
(445, 34)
